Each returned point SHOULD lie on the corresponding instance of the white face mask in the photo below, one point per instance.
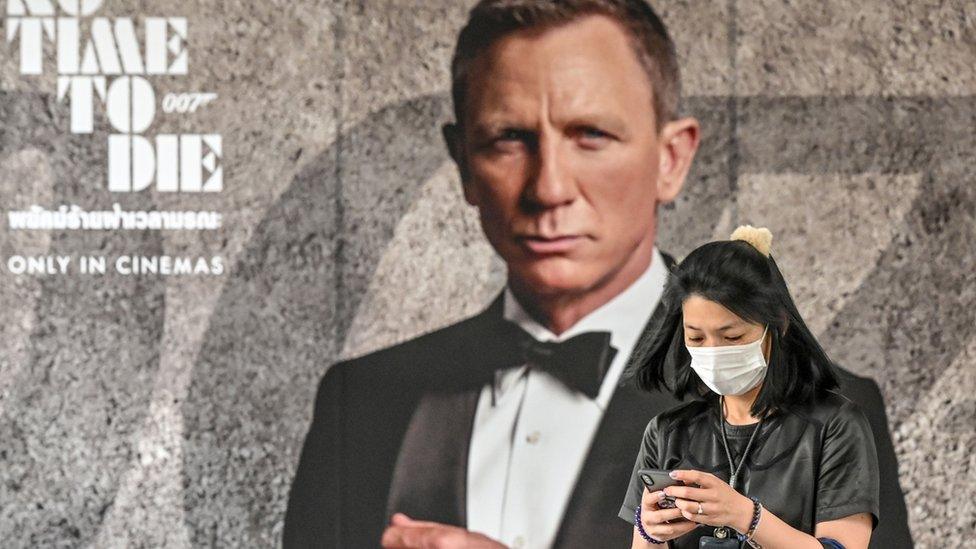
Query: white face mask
(730, 370)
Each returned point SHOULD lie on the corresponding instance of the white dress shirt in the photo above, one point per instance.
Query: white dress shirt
(527, 448)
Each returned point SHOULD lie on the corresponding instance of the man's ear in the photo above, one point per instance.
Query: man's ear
(679, 141)
(454, 139)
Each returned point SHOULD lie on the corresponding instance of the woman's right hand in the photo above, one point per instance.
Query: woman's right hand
(655, 519)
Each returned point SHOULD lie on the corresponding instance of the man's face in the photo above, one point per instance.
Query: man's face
(560, 155)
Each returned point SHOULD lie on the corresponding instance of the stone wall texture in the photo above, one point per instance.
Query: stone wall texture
(169, 411)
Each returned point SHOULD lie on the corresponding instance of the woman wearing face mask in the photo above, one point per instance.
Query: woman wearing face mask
(769, 454)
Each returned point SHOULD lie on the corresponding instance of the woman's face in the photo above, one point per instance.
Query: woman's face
(709, 324)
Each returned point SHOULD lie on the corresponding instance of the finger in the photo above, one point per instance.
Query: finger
(400, 519)
(408, 537)
(688, 505)
(655, 495)
(664, 515)
(690, 476)
(687, 492)
(652, 500)
(670, 531)
(694, 517)
(689, 511)
(394, 537)
(685, 526)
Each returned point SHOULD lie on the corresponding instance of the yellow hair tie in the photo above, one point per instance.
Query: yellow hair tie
(759, 237)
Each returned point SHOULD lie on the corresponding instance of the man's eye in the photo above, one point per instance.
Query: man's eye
(695, 339)
(508, 139)
(590, 137)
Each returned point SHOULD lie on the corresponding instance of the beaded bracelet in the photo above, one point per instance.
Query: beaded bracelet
(756, 517)
(640, 528)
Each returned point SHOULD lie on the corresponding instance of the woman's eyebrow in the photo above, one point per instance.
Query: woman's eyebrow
(722, 329)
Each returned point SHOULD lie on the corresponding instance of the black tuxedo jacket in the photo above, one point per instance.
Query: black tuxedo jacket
(391, 429)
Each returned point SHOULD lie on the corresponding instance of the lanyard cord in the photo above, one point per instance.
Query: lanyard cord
(733, 468)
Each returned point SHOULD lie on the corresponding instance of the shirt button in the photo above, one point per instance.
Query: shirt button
(518, 542)
(533, 438)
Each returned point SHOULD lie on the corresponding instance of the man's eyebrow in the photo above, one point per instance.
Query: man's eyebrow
(487, 128)
(493, 127)
(496, 123)
(600, 120)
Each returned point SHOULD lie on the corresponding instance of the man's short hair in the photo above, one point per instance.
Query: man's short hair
(490, 20)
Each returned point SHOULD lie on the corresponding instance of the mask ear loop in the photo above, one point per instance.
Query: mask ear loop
(762, 345)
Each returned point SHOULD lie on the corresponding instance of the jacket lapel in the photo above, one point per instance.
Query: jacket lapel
(430, 476)
(591, 518)
(439, 435)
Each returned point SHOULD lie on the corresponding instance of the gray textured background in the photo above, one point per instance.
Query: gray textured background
(169, 411)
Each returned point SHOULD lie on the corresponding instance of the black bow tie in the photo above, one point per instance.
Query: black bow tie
(580, 362)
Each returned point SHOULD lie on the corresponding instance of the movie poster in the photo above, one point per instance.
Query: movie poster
(205, 205)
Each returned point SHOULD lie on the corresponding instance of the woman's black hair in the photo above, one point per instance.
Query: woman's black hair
(736, 275)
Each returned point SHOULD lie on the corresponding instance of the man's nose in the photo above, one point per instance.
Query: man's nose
(551, 182)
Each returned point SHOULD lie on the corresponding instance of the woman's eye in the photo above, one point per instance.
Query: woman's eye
(735, 338)
(695, 339)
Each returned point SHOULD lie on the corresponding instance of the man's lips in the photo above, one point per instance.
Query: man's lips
(554, 245)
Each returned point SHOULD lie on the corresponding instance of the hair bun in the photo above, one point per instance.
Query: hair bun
(759, 237)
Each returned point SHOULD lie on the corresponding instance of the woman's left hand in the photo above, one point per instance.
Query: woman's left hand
(713, 502)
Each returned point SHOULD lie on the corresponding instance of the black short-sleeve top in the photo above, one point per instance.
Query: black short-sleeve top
(814, 463)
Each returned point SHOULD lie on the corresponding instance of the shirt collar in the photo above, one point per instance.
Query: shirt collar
(623, 316)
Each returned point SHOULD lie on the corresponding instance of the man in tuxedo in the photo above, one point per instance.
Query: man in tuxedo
(517, 427)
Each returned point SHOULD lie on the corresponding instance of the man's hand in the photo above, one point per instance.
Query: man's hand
(406, 533)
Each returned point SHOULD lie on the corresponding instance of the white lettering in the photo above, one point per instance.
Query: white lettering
(82, 8)
(82, 99)
(131, 104)
(178, 163)
(38, 265)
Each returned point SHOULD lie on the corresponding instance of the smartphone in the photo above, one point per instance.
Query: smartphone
(658, 479)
